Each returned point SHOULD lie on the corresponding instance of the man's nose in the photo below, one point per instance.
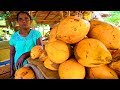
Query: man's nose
(24, 20)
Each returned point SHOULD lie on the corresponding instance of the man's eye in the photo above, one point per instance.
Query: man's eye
(27, 19)
(19, 18)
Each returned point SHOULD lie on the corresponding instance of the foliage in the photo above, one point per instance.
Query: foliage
(4, 15)
(114, 18)
(2, 23)
(44, 29)
(1, 32)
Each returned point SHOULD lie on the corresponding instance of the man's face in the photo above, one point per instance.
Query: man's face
(24, 21)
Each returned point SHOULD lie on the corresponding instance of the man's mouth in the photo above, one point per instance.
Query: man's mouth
(24, 25)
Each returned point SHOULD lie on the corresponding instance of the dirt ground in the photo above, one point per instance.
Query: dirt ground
(4, 55)
(4, 50)
(4, 44)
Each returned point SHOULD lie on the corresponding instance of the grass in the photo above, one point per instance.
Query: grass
(114, 18)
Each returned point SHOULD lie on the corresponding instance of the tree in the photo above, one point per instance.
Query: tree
(114, 18)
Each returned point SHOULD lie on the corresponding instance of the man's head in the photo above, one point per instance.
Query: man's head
(24, 19)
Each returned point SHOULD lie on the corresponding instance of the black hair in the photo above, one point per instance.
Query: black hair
(25, 12)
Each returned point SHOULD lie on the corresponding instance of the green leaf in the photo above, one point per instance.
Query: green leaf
(114, 18)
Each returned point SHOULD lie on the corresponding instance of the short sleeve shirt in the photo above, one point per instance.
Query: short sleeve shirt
(23, 44)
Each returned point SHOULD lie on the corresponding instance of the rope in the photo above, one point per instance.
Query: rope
(36, 71)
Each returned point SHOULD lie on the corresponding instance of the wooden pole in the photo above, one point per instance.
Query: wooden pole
(32, 26)
(68, 13)
(36, 14)
(61, 14)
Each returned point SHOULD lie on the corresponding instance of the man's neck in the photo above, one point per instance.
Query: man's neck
(24, 32)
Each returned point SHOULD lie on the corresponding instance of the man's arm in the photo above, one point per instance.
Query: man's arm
(12, 54)
(27, 54)
(39, 41)
(22, 58)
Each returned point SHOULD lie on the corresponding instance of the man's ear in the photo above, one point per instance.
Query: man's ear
(31, 21)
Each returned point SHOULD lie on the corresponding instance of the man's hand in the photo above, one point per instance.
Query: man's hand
(20, 62)
(21, 59)
(12, 72)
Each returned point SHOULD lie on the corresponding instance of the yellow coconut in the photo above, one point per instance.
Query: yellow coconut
(58, 51)
(52, 36)
(36, 51)
(106, 33)
(24, 73)
(72, 29)
(43, 55)
(115, 64)
(101, 72)
(50, 65)
(71, 69)
(91, 53)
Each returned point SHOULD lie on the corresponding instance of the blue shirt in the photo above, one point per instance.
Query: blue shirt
(23, 44)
